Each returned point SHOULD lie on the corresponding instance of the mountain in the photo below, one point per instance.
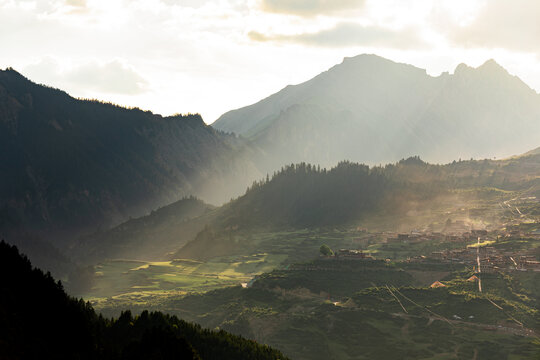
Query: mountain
(373, 110)
(305, 196)
(70, 165)
(151, 237)
(297, 196)
(39, 320)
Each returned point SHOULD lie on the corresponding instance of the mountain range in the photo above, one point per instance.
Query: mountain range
(372, 110)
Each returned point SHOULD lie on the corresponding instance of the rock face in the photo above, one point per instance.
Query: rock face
(373, 110)
(68, 165)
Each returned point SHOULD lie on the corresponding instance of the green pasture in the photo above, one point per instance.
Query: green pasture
(141, 282)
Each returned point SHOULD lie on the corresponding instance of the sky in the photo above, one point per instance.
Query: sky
(212, 56)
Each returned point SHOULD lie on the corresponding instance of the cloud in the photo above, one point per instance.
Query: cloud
(350, 34)
(76, 3)
(505, 24)
(112, 77)
(188, 3)
(309, 7)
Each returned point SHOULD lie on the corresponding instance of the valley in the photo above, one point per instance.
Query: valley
(355, 305)
(386, 289)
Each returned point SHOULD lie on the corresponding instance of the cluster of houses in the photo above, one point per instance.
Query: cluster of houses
(415, 237)
(459, 234)
(461, 237)
(491, 258)
(349, 254)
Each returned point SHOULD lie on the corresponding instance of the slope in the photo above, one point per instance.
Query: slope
(372, 309)
(302, 196)
(71, 165)
(151, 237)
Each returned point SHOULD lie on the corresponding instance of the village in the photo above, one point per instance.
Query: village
(479, 247)
(460, 246)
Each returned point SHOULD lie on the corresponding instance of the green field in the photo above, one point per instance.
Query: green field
(130, 282)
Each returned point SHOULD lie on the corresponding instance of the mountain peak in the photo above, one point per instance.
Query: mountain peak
(492, 66)
(372, 63)
(363, 57)
(367, 60)
(462, 68)
(11, 73)
(488, 67)
(9, 70)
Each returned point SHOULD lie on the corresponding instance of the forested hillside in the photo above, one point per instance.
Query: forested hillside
(70, 165)
(151, 237)
(305, 195)
(38, 320)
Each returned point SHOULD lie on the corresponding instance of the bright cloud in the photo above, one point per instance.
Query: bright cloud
(350, 34)
(112, 78)
(309, 7)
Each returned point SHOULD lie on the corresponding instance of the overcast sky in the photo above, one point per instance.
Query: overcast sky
(211, 56)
